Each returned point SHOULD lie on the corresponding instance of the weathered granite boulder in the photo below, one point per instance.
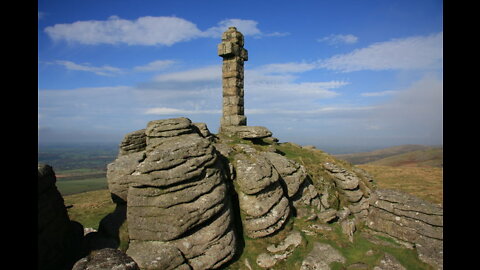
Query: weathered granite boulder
(153, 255)
(106, 259)
(203, 130)
(178, 200)
(119, 174)
(300, 189)
(348, 184)
(60, 241)
(261, 197)
(133, 142)
(327, 215)
(348, 228)
(321, 256)
(410, 219)
(388, 262)
(247, 132)
(281, 251)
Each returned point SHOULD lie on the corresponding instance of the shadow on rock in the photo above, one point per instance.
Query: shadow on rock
(108, 234)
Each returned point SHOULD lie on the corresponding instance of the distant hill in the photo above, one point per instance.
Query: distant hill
(432, 157)
(403, 155)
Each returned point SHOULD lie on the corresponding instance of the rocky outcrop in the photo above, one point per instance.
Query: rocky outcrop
(119, 175)
(321, 256)
(133, 142)
(263, 204)
(178, 204)
(410, 219)
(282, 251)
(107, 258)
(300, 189)
(203, 130)
(119, 172)
(388, 262)
(349, 185)
(247, 132)
(60, 241)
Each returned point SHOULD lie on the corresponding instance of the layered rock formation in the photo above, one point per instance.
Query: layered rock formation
(300, 190)
(60, 241)
(350, 185)
(321, 256)
(263, 203)
(178, 208)
(119, 173)
(283, 250)
(410, 219)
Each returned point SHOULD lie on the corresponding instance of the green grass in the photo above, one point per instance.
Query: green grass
(79, 186)
(77, 171)
(353, 252)
(89, 207)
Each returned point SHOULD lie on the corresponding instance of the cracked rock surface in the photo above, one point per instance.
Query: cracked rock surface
(262, 199)
(179, 213)
(410, 219)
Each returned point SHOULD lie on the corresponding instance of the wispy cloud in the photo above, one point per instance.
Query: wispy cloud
(338, 39)
(207, 73)
(379, 94)
(147, 31)
(247, 27)
(105, 70)
(419, 52)
(155, 65)
(293, 67)
(41, 15)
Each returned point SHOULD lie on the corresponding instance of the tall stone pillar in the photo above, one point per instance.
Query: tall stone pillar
(233, 54)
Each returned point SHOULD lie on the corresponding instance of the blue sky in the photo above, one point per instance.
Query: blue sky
(327, 73)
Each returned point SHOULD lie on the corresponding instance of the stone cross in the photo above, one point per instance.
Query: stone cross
(233, 54)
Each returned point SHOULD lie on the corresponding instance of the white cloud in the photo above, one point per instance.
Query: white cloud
(103, 70)
(247, 27)
(155, 65)
(142, 31)
(146, 30)
(339, 39)
(420, 52)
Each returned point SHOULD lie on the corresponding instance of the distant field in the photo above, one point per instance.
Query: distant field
(415, 153)
(432, 157)
(79, 186)
(77, 157)
(79, 168)
(414, 169)
(423, 182)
